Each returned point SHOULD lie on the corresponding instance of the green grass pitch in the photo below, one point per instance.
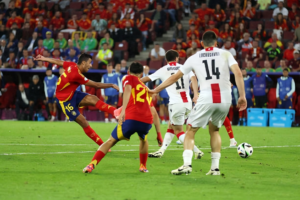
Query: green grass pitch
(44, 160)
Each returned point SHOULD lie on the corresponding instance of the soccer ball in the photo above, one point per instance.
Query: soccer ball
(245, 150)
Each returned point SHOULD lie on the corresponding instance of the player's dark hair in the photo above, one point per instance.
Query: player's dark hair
(136, 68)
(209, 38)
(171, 55)
(84, 57)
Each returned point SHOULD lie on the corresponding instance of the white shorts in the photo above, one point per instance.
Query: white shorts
(179, 112)
(203, 113)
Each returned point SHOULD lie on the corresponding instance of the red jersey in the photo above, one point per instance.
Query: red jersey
(295, 25)
(32, 12)
(219, 16)
(57, 23)
(288, 54)
(225, 35)
(85, 24)
(189, 33)
(201, 13)
(182, 53)
(190, 42)
(69, 81)
(142, 4)
(138, 107)
(255, 33)
(248, 14)
(71, 23)
(38, 51)
(255, 52)
(292, 15)
(17, 20)
(117, 24)
(197, 23)
(32, 23)
(145, 25)
(283, 26)
(215, 30)
(183, 46)
(123, 23)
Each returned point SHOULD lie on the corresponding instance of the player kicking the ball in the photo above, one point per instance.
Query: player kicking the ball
(135, 117)
(212, 68)
(70, 99)
(180, 104)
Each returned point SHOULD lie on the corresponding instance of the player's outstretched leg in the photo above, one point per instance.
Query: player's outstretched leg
(100, 153)
(92, 100)
(167, 141)
(157, 126)
(215, 143)
(228, 127)
(88, 130)
(143, 155)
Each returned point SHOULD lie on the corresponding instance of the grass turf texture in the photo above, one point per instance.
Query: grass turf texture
(270, 173)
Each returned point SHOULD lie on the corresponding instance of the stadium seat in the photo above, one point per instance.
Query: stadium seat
(26, 34)
(143, 62)
(167, 45)
(272, 101)
(140, 47)
(288, 35)
(153, 36)
(50, 5)
(123, 47)
(154, 65)
(253, 24)
(66, 35)
(244, 53)
(148, 14)
(76, 5)
(261, 63)
(267, 15)
(269, 25)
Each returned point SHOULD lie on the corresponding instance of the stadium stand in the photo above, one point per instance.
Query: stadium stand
(160, 18)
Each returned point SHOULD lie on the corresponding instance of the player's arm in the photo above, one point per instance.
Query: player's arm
(98, 85)
(126, 97)
(195, 88)
(50, 60)
(145, 79)
(172, 79)
(239, 80)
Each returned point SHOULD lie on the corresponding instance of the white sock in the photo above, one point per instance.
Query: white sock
(167, 141)
(187, 157)
(232, 140)
(215, 160)
(181, 138)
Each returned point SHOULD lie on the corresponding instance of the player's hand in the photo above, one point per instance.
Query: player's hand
(47, 99)
(266, 90)
(286, 97)
(115, 87)
(152, 92)
(39, 57)
(242, 103)
(195, 98)
(54, 96)
(121, 118)
(278, 99)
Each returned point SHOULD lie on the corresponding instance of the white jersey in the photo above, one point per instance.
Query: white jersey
(179, 92)
(211, 66)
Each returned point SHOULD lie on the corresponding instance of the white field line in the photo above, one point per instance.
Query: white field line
(77, 152)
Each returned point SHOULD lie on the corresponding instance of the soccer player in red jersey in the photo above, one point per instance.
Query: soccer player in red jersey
(70, 99)
(135, 117)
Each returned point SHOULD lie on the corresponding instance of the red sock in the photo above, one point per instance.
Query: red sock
(143, 158)
(105, 107)
(97, 157)
(170, 131)
(179, 134)
(228, 128)
(106, 115)
(93, 135)
(167, 118)
(53, 114)
(162, 118)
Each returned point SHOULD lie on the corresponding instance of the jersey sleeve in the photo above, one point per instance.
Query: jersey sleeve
(156, 75)
(231, 60)
(187, 67)
(126, 80)
(68, 64)
(191, 74)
